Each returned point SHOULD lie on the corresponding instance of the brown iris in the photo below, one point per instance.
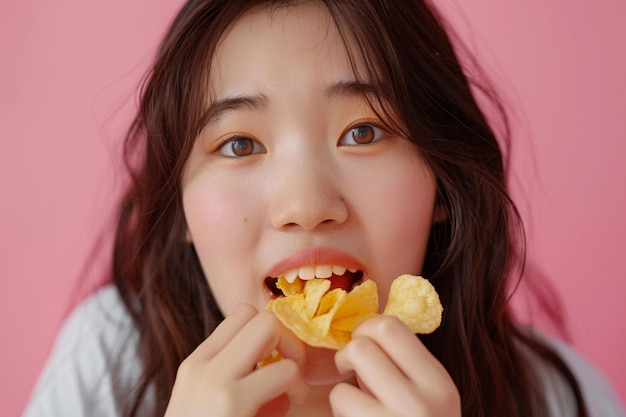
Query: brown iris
(242, 146)
(363, 134)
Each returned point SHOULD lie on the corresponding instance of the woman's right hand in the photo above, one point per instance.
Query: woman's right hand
(219, 377)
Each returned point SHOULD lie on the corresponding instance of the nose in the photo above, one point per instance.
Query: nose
(307, 197)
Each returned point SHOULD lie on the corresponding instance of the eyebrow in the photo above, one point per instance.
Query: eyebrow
(260, 102)
(257, 102)
(351, 88)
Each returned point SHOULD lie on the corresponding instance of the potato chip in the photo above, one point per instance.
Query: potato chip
(323, 322)
(324, 318)
(330, 299)
(290, 316)
(361, 300)
(360, 304)
(348, 324)
(314, 290)
(275, 356)
(290, 288)
(336, 339)
(313, 332)
(414, 301)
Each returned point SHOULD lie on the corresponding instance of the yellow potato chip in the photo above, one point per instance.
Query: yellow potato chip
(290, 317)
(336, 339)
(324, 318)
(305, 303)
(275, 356)
(414, 301)
(296, 302)
(348, 324)
(314, 290)
(330, 299)
(362, 299)
(290, 288)
(314, 332)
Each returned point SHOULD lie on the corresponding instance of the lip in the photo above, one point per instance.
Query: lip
(316, 256)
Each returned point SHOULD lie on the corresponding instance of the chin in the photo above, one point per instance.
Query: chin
(320, 367)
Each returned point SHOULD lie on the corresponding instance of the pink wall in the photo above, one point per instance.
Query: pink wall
(562, 65)
(67, 75)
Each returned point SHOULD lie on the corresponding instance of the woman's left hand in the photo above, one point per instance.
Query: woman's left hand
(397, 375)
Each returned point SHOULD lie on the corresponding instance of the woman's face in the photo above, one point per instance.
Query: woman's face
(294, 171)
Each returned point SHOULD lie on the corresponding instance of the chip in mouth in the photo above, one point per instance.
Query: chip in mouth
(280, 287)
(324, 313)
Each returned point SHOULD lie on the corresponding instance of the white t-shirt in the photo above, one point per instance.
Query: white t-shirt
(93, 367)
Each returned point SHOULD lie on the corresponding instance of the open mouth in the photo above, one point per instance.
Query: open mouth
(339, 277)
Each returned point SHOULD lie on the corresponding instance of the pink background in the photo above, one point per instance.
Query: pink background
(67, 79)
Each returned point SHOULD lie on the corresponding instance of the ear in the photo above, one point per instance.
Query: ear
(188, 238)
(440, 214)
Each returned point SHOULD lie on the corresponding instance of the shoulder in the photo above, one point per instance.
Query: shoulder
(98, 328)
(93, 363)
(93, 320)
(599, 396)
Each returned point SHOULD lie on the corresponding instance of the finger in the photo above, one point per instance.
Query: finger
(401, 345)
(377, 371)
(255, 342)
(224, 333)
(348, 401)
(283, 377)
(428, 382)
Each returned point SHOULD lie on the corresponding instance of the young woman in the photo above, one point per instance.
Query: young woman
(305, 136)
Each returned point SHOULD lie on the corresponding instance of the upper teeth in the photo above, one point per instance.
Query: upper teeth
(315, 271)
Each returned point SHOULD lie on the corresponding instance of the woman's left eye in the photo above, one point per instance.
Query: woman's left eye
(362, 135)
(238, 147)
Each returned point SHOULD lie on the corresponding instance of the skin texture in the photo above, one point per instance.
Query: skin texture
(296, 189)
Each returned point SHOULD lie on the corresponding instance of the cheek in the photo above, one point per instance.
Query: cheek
(212, 216)
(220, 225)
(402, 209)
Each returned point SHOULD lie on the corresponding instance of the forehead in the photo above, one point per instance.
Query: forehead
(271, 47)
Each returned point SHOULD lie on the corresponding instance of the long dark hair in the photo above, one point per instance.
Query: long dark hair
(474, 257)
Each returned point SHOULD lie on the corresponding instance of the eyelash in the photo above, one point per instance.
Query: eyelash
(226, 147)
(378, 132)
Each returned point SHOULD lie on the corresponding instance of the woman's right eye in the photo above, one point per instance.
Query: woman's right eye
(239, 146)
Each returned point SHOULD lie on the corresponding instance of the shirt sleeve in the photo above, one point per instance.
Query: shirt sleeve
(599, 395)
(93, 365)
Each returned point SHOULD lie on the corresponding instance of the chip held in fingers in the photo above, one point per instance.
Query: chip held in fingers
(325, 317)
(414, 300)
